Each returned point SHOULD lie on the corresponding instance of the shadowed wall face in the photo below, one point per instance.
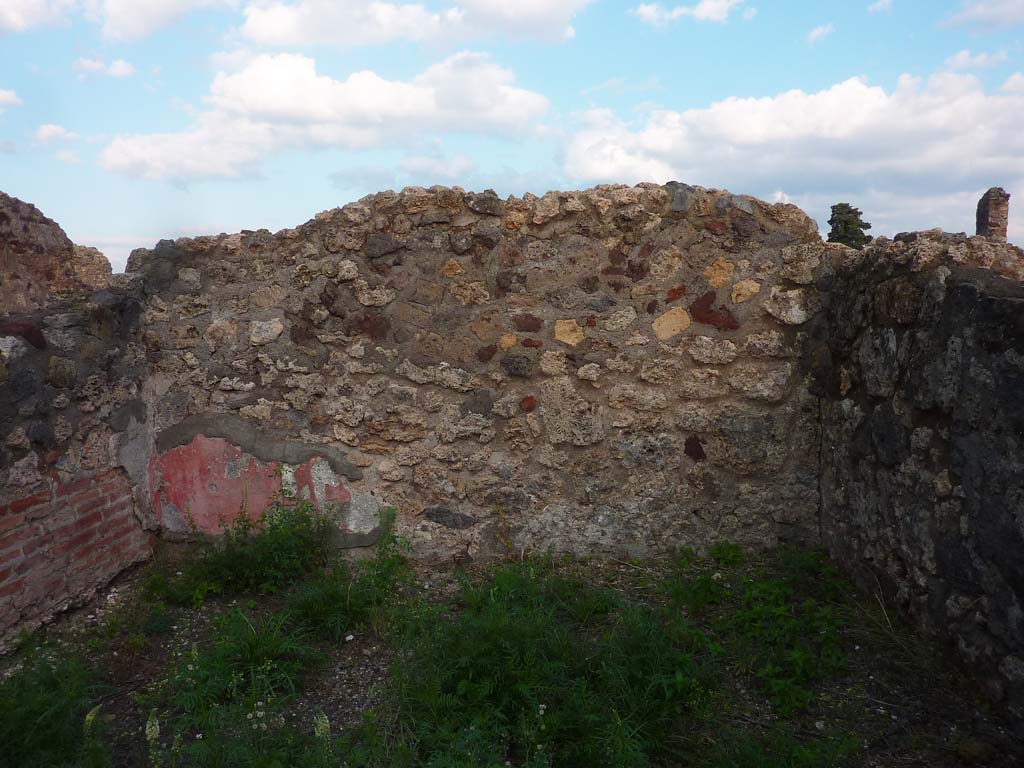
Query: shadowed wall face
(920, 364)
(994, 214)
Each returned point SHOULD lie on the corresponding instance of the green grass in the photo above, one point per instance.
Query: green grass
(287, 543)
(534, 668)
(699, 663)
(47, 714)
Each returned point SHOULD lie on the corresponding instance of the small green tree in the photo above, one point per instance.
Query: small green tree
(848, 227)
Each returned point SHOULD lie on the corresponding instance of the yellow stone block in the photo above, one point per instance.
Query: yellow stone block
(568, 332)
(745, 290)
(672, 323)
(719, 273)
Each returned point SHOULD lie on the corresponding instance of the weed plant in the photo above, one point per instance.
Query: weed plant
(288, 542)
(48, 714)
(345, 597)
(538, 669)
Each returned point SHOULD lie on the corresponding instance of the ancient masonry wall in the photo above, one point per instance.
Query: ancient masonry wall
(918, 356)
(623, 370)
(70, 434)
(605, 371)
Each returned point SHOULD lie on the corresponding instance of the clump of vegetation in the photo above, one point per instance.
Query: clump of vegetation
(224, 702)
(48, 714)
(288, 542)
(847, 226)
(343, 598)
(533, 668)
(721, 661)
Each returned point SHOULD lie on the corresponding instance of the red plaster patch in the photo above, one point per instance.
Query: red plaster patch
(209, 481)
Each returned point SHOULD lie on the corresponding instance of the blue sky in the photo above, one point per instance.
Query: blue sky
(132, 120)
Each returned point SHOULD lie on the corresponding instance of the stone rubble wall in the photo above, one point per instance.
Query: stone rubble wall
(38, 262)
(602, 371)
(918, 356)
(71, 427)
(617, 371)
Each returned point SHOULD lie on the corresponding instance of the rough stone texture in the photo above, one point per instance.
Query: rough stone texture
(529, 355)
(616, 370)
(38, 263)
(994, 214)
(919, 361)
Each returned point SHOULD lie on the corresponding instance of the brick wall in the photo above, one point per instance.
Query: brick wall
(60, 543)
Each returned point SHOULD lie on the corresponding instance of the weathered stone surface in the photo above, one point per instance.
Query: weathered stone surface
(704, 349)
(534, 356)
(922, 479)
(263, 332)
(745, 290)
(569, 332)
(38, 263)
(621, 319)
(568, 417)
(994, 214)
(791, 307)
(719, 273)
(671, 323)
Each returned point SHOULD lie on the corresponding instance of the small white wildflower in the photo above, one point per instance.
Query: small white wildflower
(249, 716)
(199, 736)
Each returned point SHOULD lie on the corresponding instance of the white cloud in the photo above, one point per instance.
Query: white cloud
(9, 98)
(120, 68)
(848, 141)
(19, 15)
(1014, 83)
(278, 101)
(50, 132)
(990, 13)
(436, 167)
(880, 6)
(85, 67)
(67, 156)
(819, 33)
(352, 23)
(966, 60)
(135, 19)
(705, 10)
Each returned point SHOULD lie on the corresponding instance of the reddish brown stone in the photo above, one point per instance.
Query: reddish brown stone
(613, 271)
(27, 331)
(617, 257)
(717, 227)
(637, 270)
(652, 306)
(703, 311)
(592, 322)
(527, 323)
(674, 294)
(532, 343)
(375, 325)
(694, 448)
(484, 354)
(528, 403)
